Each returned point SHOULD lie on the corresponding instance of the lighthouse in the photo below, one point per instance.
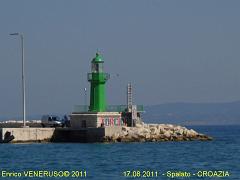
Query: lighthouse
(108, 118)
(98, 79)
(98, 113)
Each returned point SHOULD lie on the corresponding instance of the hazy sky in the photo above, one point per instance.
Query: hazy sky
(187, 51)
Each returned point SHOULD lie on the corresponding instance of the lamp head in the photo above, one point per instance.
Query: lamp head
(14, 34)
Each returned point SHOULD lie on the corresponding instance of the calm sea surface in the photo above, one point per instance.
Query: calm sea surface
(109, 161)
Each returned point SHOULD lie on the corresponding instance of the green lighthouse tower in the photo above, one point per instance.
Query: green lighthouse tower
(97, 78)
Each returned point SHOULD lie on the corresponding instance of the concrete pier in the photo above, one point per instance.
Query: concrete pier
(82, 135)
(140, 133)
(26, 134)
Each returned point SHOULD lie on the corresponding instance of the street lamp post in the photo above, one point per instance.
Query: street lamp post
(23, 78)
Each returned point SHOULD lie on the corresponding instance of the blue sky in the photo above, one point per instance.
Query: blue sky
(171, 51)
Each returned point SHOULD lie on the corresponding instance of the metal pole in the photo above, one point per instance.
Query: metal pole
(23, 83)
(23, 78)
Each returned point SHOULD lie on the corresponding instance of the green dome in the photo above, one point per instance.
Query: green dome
(97, 59)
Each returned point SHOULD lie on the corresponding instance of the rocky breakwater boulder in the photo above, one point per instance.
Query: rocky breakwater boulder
(156, 132)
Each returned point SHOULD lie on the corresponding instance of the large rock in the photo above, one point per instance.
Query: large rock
(153, 130)
(167, 134)
(179, 131)
(139, 125)
(191, 133)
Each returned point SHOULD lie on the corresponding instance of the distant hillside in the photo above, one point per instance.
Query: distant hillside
(194, 113)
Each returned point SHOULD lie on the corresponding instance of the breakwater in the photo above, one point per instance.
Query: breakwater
(155, 132)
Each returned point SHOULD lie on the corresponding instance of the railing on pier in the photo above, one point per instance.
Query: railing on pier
(110, 108)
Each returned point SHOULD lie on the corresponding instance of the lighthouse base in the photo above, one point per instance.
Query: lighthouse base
(95, 119)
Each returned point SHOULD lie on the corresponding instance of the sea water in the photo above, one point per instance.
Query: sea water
(155, 160)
